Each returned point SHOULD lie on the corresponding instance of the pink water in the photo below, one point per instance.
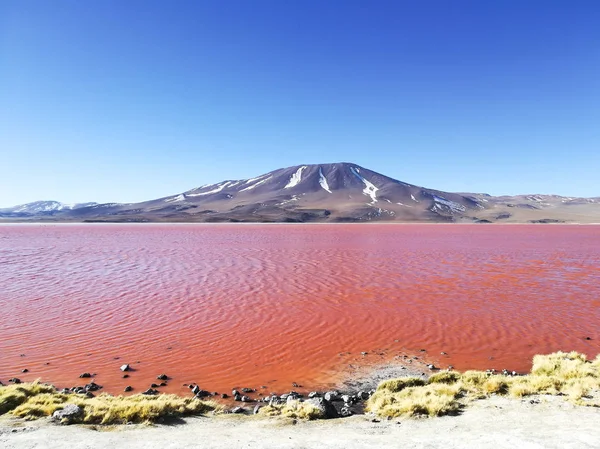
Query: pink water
(251, 305)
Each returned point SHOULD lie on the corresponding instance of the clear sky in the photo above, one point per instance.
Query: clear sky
(132, 100)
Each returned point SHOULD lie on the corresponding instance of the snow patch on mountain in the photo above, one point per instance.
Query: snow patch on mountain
(370, 189)
(219, 187)
(175, 199)
(256, 184)
(454, 207)
(323, 180)
(296, 178)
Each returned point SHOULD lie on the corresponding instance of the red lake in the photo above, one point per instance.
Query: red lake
(245, 305)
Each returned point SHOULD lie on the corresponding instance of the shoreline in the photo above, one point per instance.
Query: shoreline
(540, 421)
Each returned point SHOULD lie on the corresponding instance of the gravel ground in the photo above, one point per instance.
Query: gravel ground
(544, 422)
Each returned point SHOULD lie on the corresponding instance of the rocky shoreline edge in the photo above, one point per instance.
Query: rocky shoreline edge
(441, 392)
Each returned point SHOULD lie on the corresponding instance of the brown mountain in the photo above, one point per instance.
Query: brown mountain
(340, 192)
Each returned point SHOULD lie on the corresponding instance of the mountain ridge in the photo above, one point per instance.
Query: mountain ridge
(334, 192)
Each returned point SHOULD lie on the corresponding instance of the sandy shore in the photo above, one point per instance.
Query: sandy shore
(499, 422)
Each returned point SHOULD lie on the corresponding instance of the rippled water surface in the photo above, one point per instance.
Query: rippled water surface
(251, 305)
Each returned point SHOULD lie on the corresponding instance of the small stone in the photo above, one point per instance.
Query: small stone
(125, 367)
(162, 377)
(431, 366)
(25, 370)
(154, 386)
(195, 389)
(364, 353)
(224, 396)
(237, 410)
(14, 380)
(125, 376)
(257, 408)
(90, 395)
(84, 375)
(363, 395)
(234, 392)
(128, 388)
(68, 414)
(326, 408)
(150, 392)
(313, 394)
(247, 390)
(332, 396)
(345, 411)
(245, 399)
(162, 384)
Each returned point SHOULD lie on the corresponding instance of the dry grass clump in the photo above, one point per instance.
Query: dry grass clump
(293, 409)
(31, 401)
(395, 385)
(444, 377)
(11, 396)
(432, 400)
(569, 374)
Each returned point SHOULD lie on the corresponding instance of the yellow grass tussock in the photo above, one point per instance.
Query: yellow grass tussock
(569, 374)
(35, 400)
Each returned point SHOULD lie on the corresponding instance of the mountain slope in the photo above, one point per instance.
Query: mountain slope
(340, 192)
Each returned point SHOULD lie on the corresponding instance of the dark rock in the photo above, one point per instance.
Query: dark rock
(202, 394)
(125, 367)
(247, 390)
(14, 380)
(90, 395)
(128, 388)
(588, 338)
(234, 392)
(125, 376)
(245, 399)
(224, 396)
(295, 385)
(162, 377)
(363, 395)
(237, 410)
(431, 366)
(326, 408)
(68, 415)
(92, 386)
(237, 397)
(195, 389)
(332, 396)
(153, 385)
(162, 384)
(85, 375)
(150, 392)
(257, 408)
(25, 370)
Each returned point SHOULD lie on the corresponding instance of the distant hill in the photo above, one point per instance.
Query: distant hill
(339, 192)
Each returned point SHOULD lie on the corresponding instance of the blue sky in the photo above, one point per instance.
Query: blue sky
(132, 100)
